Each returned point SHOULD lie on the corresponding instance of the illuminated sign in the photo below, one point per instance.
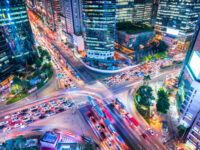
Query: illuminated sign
(172, 31)
(194, 64)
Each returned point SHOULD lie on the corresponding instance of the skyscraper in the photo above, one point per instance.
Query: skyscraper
(17, 31)
(99, 18)
(178, 18)
(72, 10)
(6, 61)
(124, 10)
(189, 87)
(143, 11)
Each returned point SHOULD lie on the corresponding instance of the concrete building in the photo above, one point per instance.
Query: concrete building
(99, 18)
(124, 10)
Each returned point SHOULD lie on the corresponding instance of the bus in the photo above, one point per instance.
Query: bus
(107, 115)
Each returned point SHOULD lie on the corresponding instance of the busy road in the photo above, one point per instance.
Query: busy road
(114, 126)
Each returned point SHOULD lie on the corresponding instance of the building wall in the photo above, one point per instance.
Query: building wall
(6, 62)
(99, 18)
(193, 137)
(179, 15)
(17, 31)
(124, 11)
(143, 11)
(72, 11)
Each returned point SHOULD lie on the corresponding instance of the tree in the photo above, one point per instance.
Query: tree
(38, 63)
(25, 84)
(16, 88)
(162, 47)
(44, 53)
(16, 80)
(163, 101)
(146, 79)
(145, 93)
(89, 146)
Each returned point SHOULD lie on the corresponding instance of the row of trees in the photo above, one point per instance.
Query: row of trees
(41, 69)
(144, 96)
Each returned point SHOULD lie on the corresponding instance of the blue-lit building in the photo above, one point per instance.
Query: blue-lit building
(99, 19)
(6, 62)
(17, 31)
(189, 91)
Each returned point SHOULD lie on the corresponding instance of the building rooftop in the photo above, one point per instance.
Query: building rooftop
(50, 137)
(130, 28)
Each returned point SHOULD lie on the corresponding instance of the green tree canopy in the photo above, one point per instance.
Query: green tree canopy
(163, 101)
(38, 63)
(146, 94)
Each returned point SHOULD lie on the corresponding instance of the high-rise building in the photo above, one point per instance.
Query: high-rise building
(6, 61)
(124, 11)
(17, 31)
(193, 137)
(72, 11)
(178, 18)
(99, 18)
(189, 85)
(143, 11)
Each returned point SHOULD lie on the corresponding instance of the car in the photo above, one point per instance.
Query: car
(28, 115)
(2, 126)
(109, 144)
(7, 117)
(22, 114)
(15, 114)
(34, 107)
(17, 125)
(102, 126)
(42, 117)
(25, 119)
(98, 127)
(71, 104)
(144, 135)
(29, 121)
(103, 135)
(61, 109)
(87, 139)
(23, 126)
(3, 123)
(117, 147)
(24, 110)
(150, 131)
(42, 104)
(109, 136)
(15, 119)
(50, 114)
(34, 110)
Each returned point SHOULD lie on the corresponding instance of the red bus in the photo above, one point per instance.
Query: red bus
(132, 120)
(107, 115)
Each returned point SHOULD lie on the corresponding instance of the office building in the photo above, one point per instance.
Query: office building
(72, 11)
(193, 137)
(99, 18)
(189, 85)
(6, 61)
(143, 11)
(124, 10)
(17, 31)
(178, 18)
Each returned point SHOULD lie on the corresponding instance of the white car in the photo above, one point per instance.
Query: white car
(17, 125)
(3, 123)
(7, 117)
(23, 126)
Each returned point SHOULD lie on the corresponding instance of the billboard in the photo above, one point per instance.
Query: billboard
(172, 31)
(194, 64)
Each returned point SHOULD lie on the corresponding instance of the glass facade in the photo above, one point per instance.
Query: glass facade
(6, 62)
(124, 11)
(178, 14)
(17, 30)
(99, 18)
